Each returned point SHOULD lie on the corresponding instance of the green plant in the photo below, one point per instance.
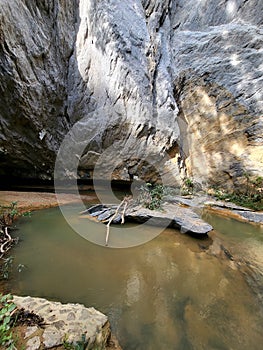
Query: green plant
(20, 267)
(188, 186)
(13, 209)
(6, 267)
(79, 345)
(8, 213)
(251, 196)
(151, 196)
(27, 214)
(6, 309)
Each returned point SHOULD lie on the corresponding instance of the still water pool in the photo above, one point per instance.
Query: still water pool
(166, 294)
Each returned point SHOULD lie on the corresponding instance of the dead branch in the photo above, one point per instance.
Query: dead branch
(123, 212)
(7, 239)
(110, 221)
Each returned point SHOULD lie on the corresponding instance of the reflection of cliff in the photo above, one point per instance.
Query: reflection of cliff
(180, 76)
(173, 295)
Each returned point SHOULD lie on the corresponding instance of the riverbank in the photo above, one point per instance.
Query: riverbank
(29, 201)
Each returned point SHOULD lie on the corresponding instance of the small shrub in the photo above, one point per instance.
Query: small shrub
(188, 186)
(8, 213)
(6, 267)
(79, 345)
(151, 196)
(6, 308)
(250, 197)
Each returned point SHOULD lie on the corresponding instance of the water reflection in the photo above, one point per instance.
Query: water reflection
(166, 294)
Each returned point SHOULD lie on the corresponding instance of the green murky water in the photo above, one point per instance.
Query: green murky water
(163, 295)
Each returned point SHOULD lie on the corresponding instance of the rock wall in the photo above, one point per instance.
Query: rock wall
(182, 78)
(36, 42)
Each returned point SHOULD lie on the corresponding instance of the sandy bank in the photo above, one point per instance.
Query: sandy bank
(28, 201)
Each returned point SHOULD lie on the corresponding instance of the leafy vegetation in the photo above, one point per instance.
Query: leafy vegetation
(251, 197)
(6, 267)
(79, 345)
(7, 215)
(6, 309)
(151, 196)
(188, 186)
(9, 212)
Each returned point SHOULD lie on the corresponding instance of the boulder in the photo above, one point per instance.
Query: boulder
(71, 323)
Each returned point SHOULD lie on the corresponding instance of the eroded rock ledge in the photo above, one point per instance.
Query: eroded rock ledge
(171, 215)
(64, 322)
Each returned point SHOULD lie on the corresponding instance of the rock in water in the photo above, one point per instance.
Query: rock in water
(171, 215)
(183, 77)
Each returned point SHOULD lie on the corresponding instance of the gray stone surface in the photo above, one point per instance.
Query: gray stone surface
(30, 330)
(175, 216)
(224, 204)
(64, 322)
(36, 42)
(250, 216)
(33, 343)
(171, 215)
(148, 75)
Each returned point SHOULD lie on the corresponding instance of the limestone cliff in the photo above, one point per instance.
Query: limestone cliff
(177, 77)
(37, 39)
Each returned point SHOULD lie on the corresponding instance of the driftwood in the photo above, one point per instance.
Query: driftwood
(6, 241)
(124, 202)
(173, 215)
(123, 212)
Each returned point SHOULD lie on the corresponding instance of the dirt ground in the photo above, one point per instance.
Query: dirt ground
(28, 201)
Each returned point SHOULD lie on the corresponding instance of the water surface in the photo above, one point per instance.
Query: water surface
(163, 295)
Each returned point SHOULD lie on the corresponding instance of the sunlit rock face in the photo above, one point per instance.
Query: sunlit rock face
(217, 52)
(149, 79)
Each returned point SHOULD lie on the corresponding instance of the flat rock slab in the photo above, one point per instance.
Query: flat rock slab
(64, 322)
(236, 211)
(227, 205)
(171, 215)
(189, 201)
(224, 208)
(250, 216)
